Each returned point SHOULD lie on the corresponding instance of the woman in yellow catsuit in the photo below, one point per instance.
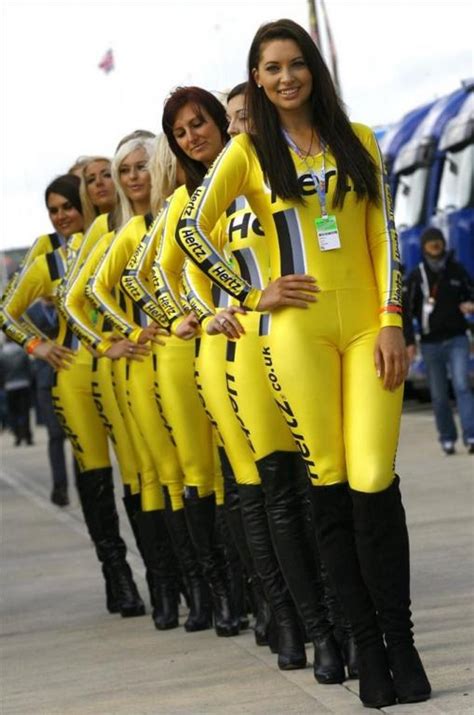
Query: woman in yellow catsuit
(73, 400)
(268, 453)
(336, 363)
(179, 409)
(197, 119)
(134, 383)
(99, 201)
(269, 442)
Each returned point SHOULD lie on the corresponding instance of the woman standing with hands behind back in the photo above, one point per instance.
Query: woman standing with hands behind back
(316, 183)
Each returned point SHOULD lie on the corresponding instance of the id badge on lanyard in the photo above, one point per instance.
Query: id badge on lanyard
(326, 226)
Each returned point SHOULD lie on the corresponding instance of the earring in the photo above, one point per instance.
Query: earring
(259, 86)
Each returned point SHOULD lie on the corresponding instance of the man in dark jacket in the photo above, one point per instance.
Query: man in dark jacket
(43, 315)
(439, 293)
(15, 367)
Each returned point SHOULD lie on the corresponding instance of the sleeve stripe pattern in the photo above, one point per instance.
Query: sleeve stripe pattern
(169, 302)
(202, 251)
(393, 302)
(133, 285)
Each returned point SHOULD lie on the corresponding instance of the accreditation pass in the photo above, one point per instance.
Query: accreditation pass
(328, 235)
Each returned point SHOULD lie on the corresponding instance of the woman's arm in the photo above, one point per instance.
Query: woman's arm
(383, 245)
(136, 277)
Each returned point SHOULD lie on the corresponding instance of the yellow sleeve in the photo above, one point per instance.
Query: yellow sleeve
(33, 282)
(224, 182)
(81, 245)
(136, 277)
(77, 307)
(169, 259)
(108, 275)
(197, 295)
(383, 245)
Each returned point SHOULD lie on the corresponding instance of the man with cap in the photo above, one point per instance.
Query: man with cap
(439, 294)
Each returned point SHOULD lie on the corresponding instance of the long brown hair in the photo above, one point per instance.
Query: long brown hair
(194, 170)
(328, 117)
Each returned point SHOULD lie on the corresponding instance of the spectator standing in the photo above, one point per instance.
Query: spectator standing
(17, 378)
(439, 294)
(43, 314)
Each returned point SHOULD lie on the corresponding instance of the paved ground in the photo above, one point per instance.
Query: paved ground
(62, 654)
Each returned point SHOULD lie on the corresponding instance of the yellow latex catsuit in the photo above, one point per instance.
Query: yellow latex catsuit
(95, 330)
(320, 361)
(139, 378)
(72, 394)
(176, 388)
(81, 314)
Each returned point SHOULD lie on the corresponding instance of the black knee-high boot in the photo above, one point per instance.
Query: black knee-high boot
(332, 508)
(201, 517)
(336, 616)
(132, 505)
(286, 517)
(383, 548)
(235, 524)
(96, 495)
(200, 607)
(162, 569)
(291, 649)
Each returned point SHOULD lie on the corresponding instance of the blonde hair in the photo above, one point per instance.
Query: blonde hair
(162, 168)
(90, 211)
(124, 208)
(76, 168)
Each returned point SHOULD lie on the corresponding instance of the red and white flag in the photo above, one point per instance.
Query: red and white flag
(107, 62)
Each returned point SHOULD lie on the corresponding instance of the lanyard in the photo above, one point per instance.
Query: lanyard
(319, 180)
(428, 294)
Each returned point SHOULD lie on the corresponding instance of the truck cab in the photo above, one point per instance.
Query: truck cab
(454, 213)
(417, 172)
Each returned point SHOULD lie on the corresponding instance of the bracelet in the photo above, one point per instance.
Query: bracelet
(32, 344)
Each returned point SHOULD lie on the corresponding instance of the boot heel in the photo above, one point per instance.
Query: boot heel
(376, 688)
(328, 665)
(291, 648)
(409, 677)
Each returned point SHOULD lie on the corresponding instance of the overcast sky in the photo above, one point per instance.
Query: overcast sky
(393, 55)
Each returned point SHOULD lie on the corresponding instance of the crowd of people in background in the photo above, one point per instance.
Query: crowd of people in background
(214, 305)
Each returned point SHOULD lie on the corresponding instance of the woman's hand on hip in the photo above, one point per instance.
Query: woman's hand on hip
(390, 357)
(295, 290)
(226, 323)
(127, 348)
(56, 355)
(188, 328)
(151, 333)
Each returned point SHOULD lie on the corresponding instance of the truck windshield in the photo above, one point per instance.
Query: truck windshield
(409, 198)
(457, 180)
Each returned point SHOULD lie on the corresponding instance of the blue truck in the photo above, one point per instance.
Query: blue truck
(417, 171)
(429, 155)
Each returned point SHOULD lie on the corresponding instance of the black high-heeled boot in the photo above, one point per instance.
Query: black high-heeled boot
(332, 508)
(161, 566)
(96, 495)
(235, 572)
(200, 516)
(236, 528)
(291, 648)
(287, 514)
(341, 626)
(383, 547)
(200, 608)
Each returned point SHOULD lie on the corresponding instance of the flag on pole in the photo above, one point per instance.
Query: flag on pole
(313, 23)
(320, 28)
(107, 62)
(332, 49)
